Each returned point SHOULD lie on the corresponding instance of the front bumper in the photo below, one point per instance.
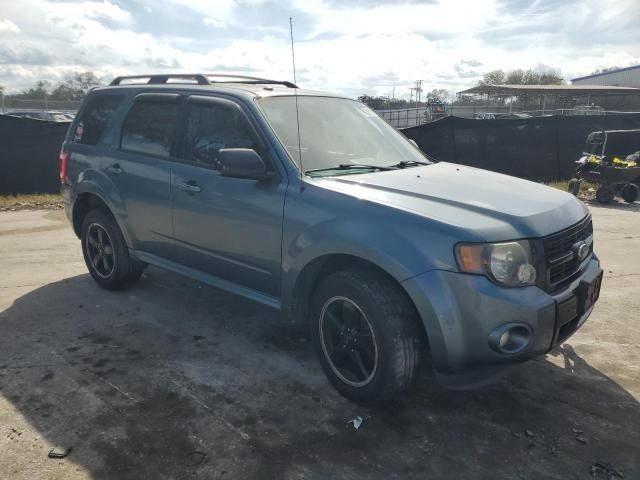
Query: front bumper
(459, 312)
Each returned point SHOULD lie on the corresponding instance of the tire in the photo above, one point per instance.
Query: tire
(106, 253)
(376, 312)
(574, 186)
(605, 194)
(630, 192)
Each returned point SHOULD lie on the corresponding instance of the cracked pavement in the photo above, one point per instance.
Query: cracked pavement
(173, 379)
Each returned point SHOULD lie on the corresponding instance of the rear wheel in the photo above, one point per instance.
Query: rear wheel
(574, 186)
(367, 336)
(106, 253)
(605, 194)
(630, 193)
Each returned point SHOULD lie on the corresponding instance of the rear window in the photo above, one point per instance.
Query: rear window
(150, 127)
(93, 123)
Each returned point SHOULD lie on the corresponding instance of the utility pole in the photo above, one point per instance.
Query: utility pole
(418, 89)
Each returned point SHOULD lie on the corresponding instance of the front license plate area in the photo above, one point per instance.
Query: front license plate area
(588, 293)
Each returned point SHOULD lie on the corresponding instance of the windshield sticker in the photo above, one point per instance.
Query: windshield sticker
(77, 136)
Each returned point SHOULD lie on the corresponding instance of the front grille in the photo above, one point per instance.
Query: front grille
(562, 264)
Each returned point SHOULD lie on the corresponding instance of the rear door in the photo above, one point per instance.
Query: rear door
(227, 227)
(141, 170)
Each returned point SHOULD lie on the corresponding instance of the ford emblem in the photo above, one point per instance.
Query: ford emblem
(580, 250)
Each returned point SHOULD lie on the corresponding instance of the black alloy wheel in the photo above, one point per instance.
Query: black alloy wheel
(367, 335)
(100, 250)
(348, 341)
(106, 253)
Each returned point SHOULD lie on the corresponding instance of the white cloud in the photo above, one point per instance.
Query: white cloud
(214, 22)
(350, 49)
(8, 26)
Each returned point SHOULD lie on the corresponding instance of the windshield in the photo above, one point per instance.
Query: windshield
(337, 132)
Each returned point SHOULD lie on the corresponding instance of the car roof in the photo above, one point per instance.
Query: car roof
(239, 89)
(250, 87)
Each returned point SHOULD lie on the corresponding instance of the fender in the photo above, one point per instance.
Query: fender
(96, 183)
(398, 255)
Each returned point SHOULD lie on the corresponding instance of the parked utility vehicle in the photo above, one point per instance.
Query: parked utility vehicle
(337, 219)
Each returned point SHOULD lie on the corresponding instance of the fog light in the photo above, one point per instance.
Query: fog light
(510, 338)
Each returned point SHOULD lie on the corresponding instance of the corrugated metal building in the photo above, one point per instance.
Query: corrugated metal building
(623, 77)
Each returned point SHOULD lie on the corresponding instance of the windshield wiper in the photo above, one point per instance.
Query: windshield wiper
(351, 166)
(409, 163)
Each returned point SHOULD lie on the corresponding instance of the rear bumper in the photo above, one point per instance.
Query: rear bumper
(460, 312)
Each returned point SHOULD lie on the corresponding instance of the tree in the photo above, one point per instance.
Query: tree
(437, 95)
(86, 81)
(532, 76)
(381, 103)
(74, 88)
(39, 91)
(515, 77)
(605, 70)
(494, 77)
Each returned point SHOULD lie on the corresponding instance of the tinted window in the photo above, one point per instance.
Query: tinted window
(211, 127)
(95, 118)
(150, 127)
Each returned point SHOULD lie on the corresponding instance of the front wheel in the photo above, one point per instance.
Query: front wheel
(106, 253)
(367, 336)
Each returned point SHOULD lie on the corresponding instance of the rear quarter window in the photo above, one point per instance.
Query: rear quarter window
(93, 122)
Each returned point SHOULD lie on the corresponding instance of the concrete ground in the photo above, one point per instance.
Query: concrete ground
(172, 379)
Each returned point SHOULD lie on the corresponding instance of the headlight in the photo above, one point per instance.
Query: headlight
(509, 264)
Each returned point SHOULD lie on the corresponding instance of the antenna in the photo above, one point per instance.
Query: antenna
(295, 92)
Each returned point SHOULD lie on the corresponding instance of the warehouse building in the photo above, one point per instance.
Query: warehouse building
(622, 77)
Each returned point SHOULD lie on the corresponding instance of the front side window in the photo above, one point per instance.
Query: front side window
(93, 123)
(212, 126)
(150, 127)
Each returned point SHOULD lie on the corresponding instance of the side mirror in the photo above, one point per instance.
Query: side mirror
(413, 142)
(243, 163)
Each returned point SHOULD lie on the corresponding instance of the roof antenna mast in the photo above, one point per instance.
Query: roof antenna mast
(295, 81)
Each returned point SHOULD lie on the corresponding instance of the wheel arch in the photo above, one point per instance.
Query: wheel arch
(324, 265)
(87, 201)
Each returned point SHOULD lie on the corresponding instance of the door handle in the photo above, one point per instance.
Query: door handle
(115, 169)
(190, 186)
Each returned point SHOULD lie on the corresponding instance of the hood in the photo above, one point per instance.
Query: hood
(493, 206)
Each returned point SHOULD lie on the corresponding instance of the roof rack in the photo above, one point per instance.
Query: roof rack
(200, 79)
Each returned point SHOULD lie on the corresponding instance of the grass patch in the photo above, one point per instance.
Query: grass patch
(564, 184)
(31, 201)
(587, 189)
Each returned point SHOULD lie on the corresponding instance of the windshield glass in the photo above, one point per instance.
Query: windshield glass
(336, 131)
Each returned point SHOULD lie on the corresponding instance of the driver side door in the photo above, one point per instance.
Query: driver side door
(229, 228)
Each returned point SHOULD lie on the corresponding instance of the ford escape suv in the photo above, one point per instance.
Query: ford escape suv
(312, 204)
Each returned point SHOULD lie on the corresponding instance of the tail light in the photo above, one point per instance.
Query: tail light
(64, 156)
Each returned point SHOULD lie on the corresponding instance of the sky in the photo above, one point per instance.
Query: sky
(348, 47)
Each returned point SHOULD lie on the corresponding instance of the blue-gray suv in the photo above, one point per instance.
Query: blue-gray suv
(310, 203)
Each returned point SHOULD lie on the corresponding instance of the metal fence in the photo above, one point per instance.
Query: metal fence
(412, 117)
(8, 104)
